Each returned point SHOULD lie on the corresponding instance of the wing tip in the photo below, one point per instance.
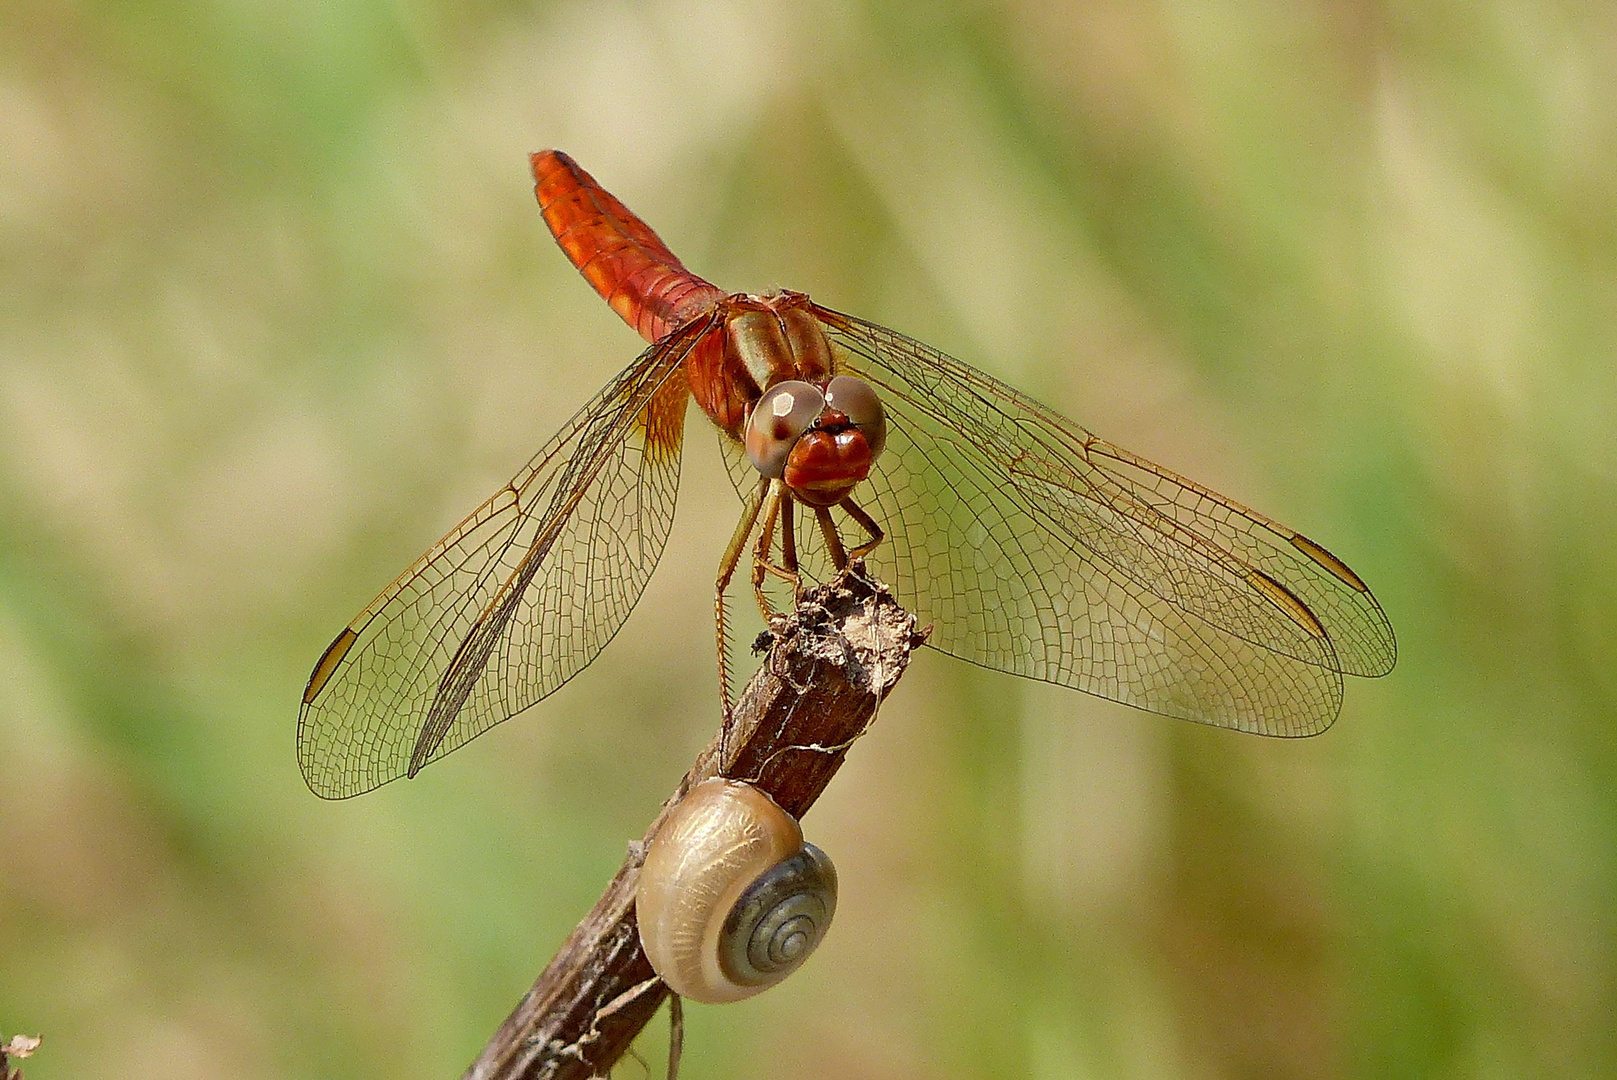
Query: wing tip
(1384, 659)
(320, 786)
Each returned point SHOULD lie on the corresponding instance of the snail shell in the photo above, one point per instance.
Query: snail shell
(731, 900)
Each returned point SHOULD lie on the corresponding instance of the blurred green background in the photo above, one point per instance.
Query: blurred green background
(277, 308)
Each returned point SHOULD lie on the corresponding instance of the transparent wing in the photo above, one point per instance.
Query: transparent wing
(1038, 549)
(515, 601)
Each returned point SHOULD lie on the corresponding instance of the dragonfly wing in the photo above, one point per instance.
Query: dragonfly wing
(1037, 549)
(516, 600)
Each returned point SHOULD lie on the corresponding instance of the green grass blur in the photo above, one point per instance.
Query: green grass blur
(277, 308)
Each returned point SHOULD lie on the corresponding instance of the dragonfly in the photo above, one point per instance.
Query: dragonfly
(1031, 545)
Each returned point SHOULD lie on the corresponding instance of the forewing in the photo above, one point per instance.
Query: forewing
(1038, 549)
(515, 601)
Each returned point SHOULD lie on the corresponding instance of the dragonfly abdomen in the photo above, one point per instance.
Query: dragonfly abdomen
(617, 253)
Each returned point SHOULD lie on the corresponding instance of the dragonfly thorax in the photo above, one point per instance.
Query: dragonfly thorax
(750, 344)
(803, 423)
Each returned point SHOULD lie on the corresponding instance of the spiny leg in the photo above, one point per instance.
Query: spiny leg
(867, 523)
(760, 551)
(833, 542)
(788, 544)
(833, 539)
(780, 511)
(727, 569)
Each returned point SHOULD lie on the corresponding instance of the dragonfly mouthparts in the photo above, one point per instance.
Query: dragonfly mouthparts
(827, 462)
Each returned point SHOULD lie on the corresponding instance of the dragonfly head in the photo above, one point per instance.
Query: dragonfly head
(820, 440)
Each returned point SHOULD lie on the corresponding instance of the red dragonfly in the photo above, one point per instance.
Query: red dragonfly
(1031, 545)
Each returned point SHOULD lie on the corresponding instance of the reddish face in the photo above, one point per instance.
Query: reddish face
(820, 441)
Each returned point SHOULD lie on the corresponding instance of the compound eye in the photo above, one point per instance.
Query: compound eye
(857, 400)
(778, 420)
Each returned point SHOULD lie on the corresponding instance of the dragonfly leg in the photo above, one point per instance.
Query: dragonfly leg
(727, 569)
(867, 523)
(788, 545)
(761, 566)
(833, 541)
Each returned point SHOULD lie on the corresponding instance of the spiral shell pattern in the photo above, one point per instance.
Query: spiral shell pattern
(731, 900)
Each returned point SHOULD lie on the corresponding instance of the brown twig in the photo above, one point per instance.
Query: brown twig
(831, 663)
(20, 1046)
